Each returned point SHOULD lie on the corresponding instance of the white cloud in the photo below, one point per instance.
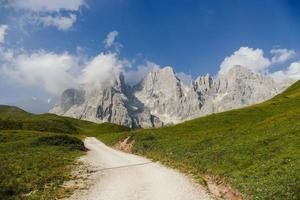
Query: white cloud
(61, 14)
(282, 55)
(55, 72)
(185, 78)
(62, 23)
(134, 76)
(248, 57)
(101, 70)
(254, 60)
(3, 29)
(42, 69)
(47, 5)
(6, 55)
(292, 72)
(110, 39)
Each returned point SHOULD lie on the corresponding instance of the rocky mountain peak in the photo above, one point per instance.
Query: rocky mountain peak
(159, 83)
(239, 72)
(161, 98)
(165, 74)
(71, 97)
(203, 84)
(166, 70)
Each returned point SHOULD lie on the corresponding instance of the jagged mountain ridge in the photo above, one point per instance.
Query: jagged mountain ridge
(161, 98)
(114, 104)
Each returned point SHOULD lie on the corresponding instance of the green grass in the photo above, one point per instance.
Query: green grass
(37, 152)
(255, 149)
(13, 118)
(34, 162)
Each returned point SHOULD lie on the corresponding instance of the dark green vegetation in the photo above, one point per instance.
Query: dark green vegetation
(256, 149)
(37, 152)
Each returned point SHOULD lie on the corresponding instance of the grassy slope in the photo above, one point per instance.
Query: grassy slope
(13, 118)
(255, 149)
(27, 164)
(36, 151)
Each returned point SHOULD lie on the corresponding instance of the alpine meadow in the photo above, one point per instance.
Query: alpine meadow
(149, 100)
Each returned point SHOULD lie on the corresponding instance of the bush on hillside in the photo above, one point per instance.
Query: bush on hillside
(61, 140)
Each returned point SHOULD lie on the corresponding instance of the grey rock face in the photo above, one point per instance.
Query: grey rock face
(238, 88)
(203, 84)
(113, 104)
(161, 98)
(166, 96)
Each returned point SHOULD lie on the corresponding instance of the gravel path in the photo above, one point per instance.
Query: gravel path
(123, 176)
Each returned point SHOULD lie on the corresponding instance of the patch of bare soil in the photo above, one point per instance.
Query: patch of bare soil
(126, 145)
(220, 190)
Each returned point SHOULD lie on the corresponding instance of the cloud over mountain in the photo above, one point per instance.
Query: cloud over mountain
(133, 76)
(101, 70)
(54, 72)
(255, 60)
(282, 55)
(251, 58)
(292, 72)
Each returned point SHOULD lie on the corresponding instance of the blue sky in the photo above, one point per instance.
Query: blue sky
(192, 36)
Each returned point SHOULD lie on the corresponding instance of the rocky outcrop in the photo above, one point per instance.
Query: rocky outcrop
(161, 97)
(113, 104)
(238, 88)
(167, 97)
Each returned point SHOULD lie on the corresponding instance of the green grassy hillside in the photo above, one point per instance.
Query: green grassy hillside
(33, 165)
(13, 118)
(37, 151)
(256, 149)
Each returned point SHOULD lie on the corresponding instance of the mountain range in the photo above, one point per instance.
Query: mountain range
(161, 98)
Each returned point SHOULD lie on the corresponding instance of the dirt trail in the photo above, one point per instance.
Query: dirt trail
(118, 175)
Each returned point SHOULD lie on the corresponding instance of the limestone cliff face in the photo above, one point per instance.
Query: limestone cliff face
(167, 97)
(113, 104)
(238, 88)
(161, 98)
